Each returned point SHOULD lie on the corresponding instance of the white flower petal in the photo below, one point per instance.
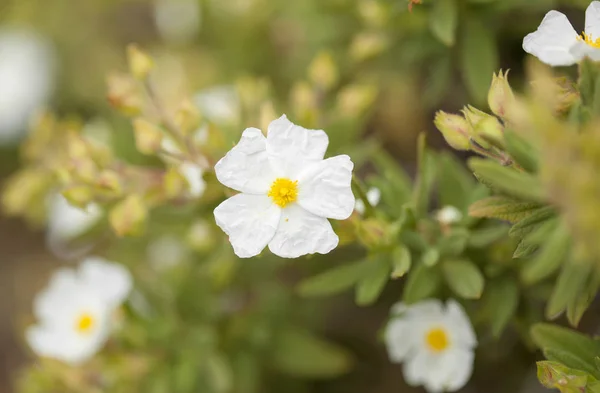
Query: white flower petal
(416, 368)
(246, 167)
(461, 328)
(250, 221)
(193, 174)
(300, 232)
(592, 20)
(398, 339)
(109, 281)
(292, 148)
(460, 362)
(374, 196)
(553, 40)
(66, 221)
(324, 188)
(55, 301)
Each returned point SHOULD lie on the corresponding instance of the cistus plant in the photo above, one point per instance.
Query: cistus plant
(211, 235)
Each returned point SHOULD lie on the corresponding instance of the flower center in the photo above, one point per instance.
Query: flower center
(85, 323)
(437, 339)
(283, 191)
(589, 40)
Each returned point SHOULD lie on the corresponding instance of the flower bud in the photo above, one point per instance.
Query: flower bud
(323, 71)
(474, 117)
(124, 95)
(148, 137)
(109, 182)
(174, 183)
(454, 128)
(500, 95)
(129, 216)
(367, 45)
(79, 196)
(488, 129)
(354, 100)
(188, 117)
(140, 64)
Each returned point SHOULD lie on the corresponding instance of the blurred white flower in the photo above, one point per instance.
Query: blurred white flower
(166, 252)
(177, 21)
(66, 222)
(556, 42)
(26, 80)
(373, 196)
(287, 192)
(436, 344)
(75, 312)
(220, 104)
(448, 215)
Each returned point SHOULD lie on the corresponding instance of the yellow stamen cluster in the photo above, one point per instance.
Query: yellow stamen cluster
(437, 339)
(85, 323)
(587, 38)
(283, 191)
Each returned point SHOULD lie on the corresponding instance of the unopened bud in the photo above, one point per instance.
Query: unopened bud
(174, 183)
(109, 181)
(267, 114)
(323, 71)
(124, 94)
(367, 45)
(373, 13)
(374, 233)
(148, 137)
(490, 129)
(304, 102)
(129, 216)
(140, 64)
(79, 196)
(454, 129)
(474, 117)
(188, 117)
(354, 100)
(500, 95)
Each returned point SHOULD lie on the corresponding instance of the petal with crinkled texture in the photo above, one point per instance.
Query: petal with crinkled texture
(460, 325)
(109, 281)
(246, 167)
(553, 40)
(292, 148)
(324, 188)
(300, 232)
(592, 20)
(250, 221)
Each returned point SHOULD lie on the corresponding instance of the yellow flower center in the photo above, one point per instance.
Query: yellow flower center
(437, 339)
(589, 40)
(283, 191)
(85, 323)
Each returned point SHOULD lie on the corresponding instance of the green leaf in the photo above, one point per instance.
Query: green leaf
(422, 283)
(483, 237)
(397, 181)
(580, 304)
(464, 278)
(549, 259)
(299, 353)
(478, 56)
(508, 180)
(502, 208)
(219, 373)
(521, 151)
(569, 359)
(532, 222)
(454, 243)
(333, 281)
(589, 73)
(401, 261)
(568, 287)
(430, 257)
(438, 80)
(554, 375)
(371, 285)
(443, 20)
(456, 184)
(549, 336)
(525, 249)
(425, 177)
(501, 300)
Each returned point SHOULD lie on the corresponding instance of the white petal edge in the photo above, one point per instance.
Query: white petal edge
(193, 174)
(592, 20)
(460, 325)
(553, 40)
(246, 167)
(300, 232)
(109, 281)
(460, 361)
(398, 339)
(250, 221)
(292, 148)
(325, 188)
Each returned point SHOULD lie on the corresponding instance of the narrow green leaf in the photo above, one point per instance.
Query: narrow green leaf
(555, 375)
(333, 281)
(568, 287)
(454, 243)
(521, 151)
(483, 237)
(455, 183)
(501, 298)
(549, 259)
(532, 222)
(425, 177)
(479, 57)
(502, 208)
(401, 261)
(580, 304)
(422, 282)
(547, 335)
(371, 285)
(464, 278)
(443, 20)
(430, 257)
(438, 80)
(569, 359)
(525, 249)
(398, 181)
(511, 181)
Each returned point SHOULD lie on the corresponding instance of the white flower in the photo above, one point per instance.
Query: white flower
(177, 21)
(557, 43)
(449, 215)
(26, 79)
(287, 192)
(373, 196)
(75, 311)
(220, 104)
(435, 344)
(66, 222)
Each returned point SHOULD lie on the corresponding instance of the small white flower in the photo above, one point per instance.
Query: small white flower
(220, 104)
(26, 79)
(448, 215)
(287, 192)
(556, 42)
(66, 222)
(435, 344)
(373, 196)
(177, 21)
(75, 311)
